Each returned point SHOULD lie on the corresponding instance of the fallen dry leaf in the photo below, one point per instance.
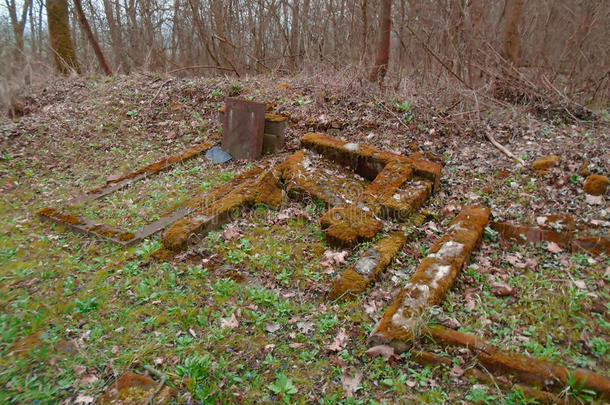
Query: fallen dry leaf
(331, 258)
(339, 342)
(305, 326)
(580, 284)
(79, 370)
(295, 345)
(84, 399)
(231, 232)
(456, 372)
(370, 307)
(272, 327)
(516, 261)
(594, 199)
(229, 323)
(554, 248)
(113, 177)
(88, 379)
(350, 384)
(451, 323)
(502, 289)
(385, 351)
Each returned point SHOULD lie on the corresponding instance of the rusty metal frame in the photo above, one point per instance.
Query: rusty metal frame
(83, 225)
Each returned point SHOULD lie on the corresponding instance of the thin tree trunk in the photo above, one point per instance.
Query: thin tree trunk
(219, 20)
(18, 25)
(115, 36)
(365, 26)
(383, 47)
(294, 34)
(203, 36)
(60, 38)
(92, 40)
(511, 31)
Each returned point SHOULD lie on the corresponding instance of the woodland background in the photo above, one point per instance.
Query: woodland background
(541, 48)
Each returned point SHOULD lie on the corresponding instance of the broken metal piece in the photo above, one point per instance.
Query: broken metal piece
(243, 128)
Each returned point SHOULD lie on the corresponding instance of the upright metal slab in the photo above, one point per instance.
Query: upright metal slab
(243, 128)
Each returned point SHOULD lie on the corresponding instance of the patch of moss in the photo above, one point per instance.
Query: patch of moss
(67, 218)
(125, 236)
(433, 277)
(355, 279)
(268, 190)
(545, 163)
(346, 225)
(596, 184)
(366, 160)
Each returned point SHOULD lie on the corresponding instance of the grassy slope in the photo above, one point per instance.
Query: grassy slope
(117, 311)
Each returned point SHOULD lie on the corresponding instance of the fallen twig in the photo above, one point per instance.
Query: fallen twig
(158, 91)
(503, 149)
(492, 139)
(163, 378)
(394, 115)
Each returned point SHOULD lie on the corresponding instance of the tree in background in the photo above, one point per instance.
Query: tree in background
(94, 44)
(18, 25)
(512, 38)
(60, 38)
(383, 47)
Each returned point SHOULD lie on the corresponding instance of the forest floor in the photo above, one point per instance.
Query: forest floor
(243, 316)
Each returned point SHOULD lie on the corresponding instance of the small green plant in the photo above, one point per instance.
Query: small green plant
(284, 276)
(577, 392)
(6, 254)
(490, 235)
(575, 178)
(225, 288)
(235, 89)
(327, 322)
(478, 394)
(86, 305)
(600, 347)
(132, 113)
(283, 387)
(300, 100)
(404, 106)
(518, 397)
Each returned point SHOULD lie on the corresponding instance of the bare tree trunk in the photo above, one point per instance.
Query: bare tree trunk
(92, 40)
(365, 26)
(294, 34)
(18, 25)
(60, 38)
(219, 20)
(203, 35)
(115, 36)
(383, 47)
(511, 31)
